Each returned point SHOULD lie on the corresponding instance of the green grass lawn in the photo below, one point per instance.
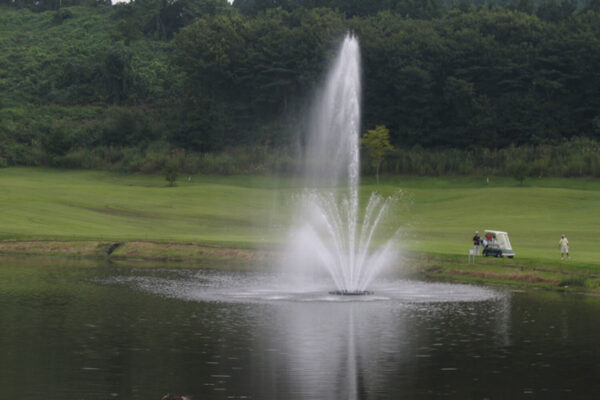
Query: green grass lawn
(66, 204)
(445, 212)
(437, 215)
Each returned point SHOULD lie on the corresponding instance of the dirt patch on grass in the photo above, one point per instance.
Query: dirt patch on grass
(150, 250)
(144, 250)
(119, 212)
(182, 251)
(528, 278)
(48, 247)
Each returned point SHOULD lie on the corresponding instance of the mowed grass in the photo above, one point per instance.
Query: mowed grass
(65, 204)
(445, 212)
(435, 215)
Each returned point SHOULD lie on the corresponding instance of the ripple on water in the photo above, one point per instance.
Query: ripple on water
(214, 286)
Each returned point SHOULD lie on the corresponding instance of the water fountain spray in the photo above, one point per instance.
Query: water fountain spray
(331, 230)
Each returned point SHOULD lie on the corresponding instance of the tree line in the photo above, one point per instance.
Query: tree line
(81, 80)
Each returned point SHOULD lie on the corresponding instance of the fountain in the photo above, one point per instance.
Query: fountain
(259, 334)
(330, 231)
(336, 250)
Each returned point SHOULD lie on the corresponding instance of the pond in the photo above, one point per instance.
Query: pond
(79, 330)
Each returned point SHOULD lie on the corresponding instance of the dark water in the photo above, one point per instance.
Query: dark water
(75, 331)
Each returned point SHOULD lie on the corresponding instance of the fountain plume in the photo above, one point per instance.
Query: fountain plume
(330, 231)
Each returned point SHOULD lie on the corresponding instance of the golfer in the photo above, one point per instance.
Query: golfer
(476, 242)
(563, 243)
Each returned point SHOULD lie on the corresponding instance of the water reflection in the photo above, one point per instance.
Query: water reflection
(99, 333)
(338, 343)
(322, 346)
(350, 350)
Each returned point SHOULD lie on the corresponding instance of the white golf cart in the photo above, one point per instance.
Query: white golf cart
(497, 244)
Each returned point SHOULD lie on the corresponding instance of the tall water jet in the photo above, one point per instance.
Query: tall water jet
(329, 231)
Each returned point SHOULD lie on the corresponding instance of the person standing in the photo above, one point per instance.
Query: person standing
(476, 242)
(563, 243)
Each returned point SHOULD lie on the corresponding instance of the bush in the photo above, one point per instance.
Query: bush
(173, 165)
(519, 170)
(577, 157)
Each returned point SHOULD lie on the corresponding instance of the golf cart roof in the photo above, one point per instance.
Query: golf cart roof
(495, 232)
(501, 237)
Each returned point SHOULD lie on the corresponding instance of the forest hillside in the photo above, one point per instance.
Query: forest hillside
(222, 88)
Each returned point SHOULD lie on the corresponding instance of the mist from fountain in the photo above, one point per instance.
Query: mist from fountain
(330, 231)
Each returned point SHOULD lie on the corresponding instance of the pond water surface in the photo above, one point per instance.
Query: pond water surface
(74, 330)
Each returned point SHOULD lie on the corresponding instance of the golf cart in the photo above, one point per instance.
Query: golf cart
(497, 244)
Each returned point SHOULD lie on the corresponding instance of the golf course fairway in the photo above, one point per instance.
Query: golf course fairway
(435, 216)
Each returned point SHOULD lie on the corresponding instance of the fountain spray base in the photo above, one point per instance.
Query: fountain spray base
(351, 292)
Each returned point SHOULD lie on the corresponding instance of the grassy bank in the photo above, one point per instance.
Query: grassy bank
(522, 272)
(101, 214)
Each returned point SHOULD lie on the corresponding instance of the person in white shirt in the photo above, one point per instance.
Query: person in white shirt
(563, 243)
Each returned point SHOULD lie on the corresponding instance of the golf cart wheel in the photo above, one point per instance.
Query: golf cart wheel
(510, 256)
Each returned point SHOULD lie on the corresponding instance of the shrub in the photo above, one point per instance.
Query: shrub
(519, 170)
(173, 165)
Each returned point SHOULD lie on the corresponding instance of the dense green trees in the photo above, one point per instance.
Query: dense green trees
(250, 72)
(83, 77)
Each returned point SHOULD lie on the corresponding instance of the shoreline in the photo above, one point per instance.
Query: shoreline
(541, 274)
(141, 250)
